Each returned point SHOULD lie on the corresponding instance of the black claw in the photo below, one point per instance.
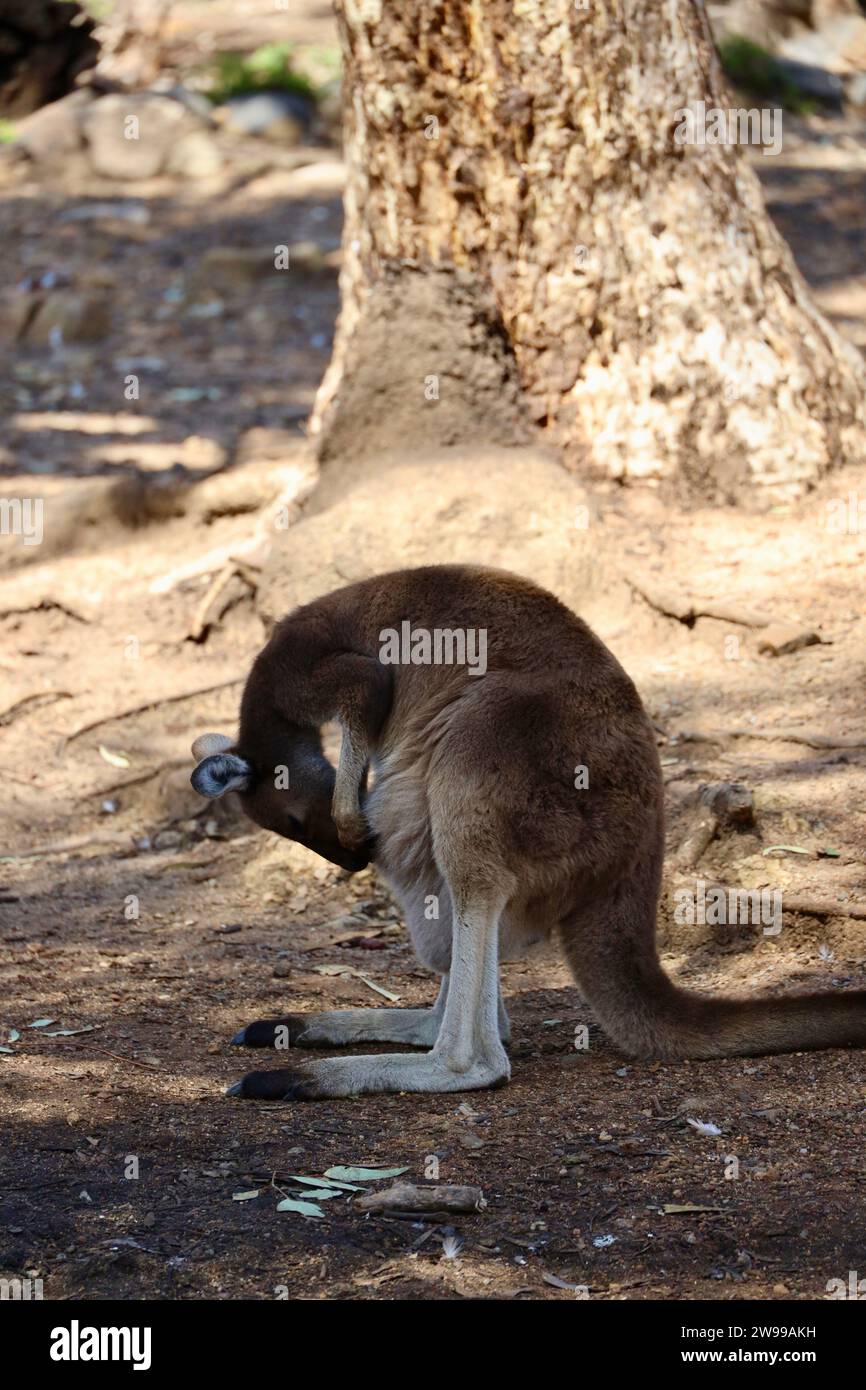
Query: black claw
(274, 1032)
(273, 1085)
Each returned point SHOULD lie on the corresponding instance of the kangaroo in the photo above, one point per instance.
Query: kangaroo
(506, 803)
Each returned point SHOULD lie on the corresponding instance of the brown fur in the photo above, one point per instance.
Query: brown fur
(474, 799)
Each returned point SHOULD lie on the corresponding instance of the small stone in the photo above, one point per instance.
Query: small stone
(167, 839)
(370, 906)
(281, 116)
(54, 132)
(730, 802)
(282, 970)
(69, 316)
(131, 136)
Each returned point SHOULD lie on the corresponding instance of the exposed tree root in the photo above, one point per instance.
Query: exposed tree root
(687, 610)
(148, 704)
(7, 715)
(808, 736)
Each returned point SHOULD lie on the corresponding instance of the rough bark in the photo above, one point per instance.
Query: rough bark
(658, 326)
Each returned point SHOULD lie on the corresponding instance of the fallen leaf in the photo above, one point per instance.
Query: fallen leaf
(557, 1283)
(245, 1196)
(115, 759)
(379, 989)
(322, 1194)
(303, 1208)
(363, 1174)
(350, 972)
(40, 1023)
(71, 1032)
(789, 849)
(326, 1182)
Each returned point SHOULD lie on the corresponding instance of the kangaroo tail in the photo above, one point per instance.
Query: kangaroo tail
(610, 947)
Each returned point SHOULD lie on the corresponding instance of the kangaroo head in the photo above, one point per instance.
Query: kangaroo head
(285, 783)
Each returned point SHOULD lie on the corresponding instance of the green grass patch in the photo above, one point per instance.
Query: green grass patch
(8, 133)
(268, 69)
(752, 68)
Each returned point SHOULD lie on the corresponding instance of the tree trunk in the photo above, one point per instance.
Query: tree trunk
(44, 45)
(624, 292)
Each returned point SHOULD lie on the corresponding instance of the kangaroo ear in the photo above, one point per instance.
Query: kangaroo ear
(206, 744)
(221, 773)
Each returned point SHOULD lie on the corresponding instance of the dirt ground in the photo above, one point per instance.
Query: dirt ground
(148, 929)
